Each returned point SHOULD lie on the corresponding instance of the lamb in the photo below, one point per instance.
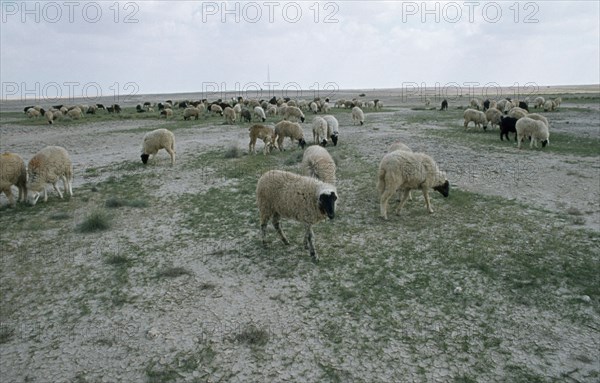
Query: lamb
(216, 109)
(318, 163)
(281, 194)
(477, 117)
(265, 133)
(13, 172)
(167, 112)
(535, 129)
(406, 171)
(549, 106)
(320, 131)
(48, 166)
(444, 105)
(333, 129)
(294, 112)
(188, 113)
(507, 125)
(75, 113)
(538, 102)
(229, 114)
(293, 130)
(517, 112)
(358, 115)
(156, 140)
(493, 115)
(314, 107)
(259, 112)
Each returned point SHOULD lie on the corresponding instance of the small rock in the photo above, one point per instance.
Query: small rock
(457, 290)
(585, 298)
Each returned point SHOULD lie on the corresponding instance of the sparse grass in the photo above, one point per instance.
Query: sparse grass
(95, 221)
(252, 335)
(233, 152)
(114, 202)
(173, 272)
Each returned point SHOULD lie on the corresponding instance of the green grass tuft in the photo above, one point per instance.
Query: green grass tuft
(96, 221)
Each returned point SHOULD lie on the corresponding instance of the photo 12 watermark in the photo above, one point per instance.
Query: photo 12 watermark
(269, 12)
(56, 92)
(469, 11)
(71, 12)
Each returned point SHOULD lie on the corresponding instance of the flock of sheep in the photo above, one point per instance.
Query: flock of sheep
(308, 198)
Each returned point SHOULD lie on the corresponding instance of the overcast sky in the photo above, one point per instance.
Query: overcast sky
(84, 48)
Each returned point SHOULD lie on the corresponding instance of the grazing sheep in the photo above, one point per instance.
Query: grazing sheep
(229, 114)
(539, 117)
(401, 170)
(399, 146)
(486, 104)
(49, 116)
(536, 129)
(507, 125)
(237, 108)
(427, 102)
(216, 109)
(320, 131)
(13, 172)
(314, 107)
(48, 166)
(444, 105)
(325, 108)
(281, 194)
(33, 113)
(524, 105)
(259, 112)
(333, 129)
(538, 102)
(92, 109)
(75, 113)
(156, 140)
(557, 101)
(493, 115)
(358, 115)
(517, 112)
(293, 130)
(318, 163)
(476, 103)
(246, 115)
(549, 106)
(294, 112)
(378, 104)
(271, 110)
(188, 113)
(263, 132)
(477, 117)
(504, 105)
(167, 112)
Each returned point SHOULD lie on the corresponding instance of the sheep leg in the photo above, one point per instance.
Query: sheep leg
(56, 188)
(308, 242)
(277, 227)
(427, 202)
(172, 154)
(45, 195)
(263, 229)
(383, 202)
(9, 195)
(403, 200)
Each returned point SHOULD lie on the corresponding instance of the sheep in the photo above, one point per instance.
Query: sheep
(293, 103)
(33, 113)
(264, 104)
(263, 132)
(378, 104)
(398, 145)
(48, 166)
(318, 163)
(246, 115)
(293, 130)
(486, 104)
(427, 102)
(167, 112)
(549, 106)
(216, 109)
(156, 140)
(535, 129)
(333, 129)
(493, 115)
(271, 110)
(358, 115)
(507, 125)
(188, 113)
(326, 107)
(557, 101)
(229, 114)
(281, 194)
(313, 107)
(524, 105)
(92, 109)
(477, 117)
(293, 111)
(539, 117)
(476, 103)
(259, 112)
(320, 131)
(237, 108)
(406, 171)
(13, 172)
(75, 113)
(517, 112)
(504, 105)
(49, 116)
(444, 105)
(538, 102)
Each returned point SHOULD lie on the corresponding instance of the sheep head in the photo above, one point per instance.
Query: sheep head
(334, 139)
(326, 203)
(145, 158)
(444, 188)
(301, 143)
(324, 143)
(545, 142)
(302, 118)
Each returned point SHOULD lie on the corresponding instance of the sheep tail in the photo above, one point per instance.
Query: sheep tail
(381, 181)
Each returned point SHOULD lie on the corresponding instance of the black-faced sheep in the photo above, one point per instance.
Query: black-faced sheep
(259, 113)
(281, 194)
(156, 140)
(13, 172)
(48, 166)
(493, 116)
(319, 128)
(358, 115)
(475, 116)
(536, 129)
(293, 112)
(188, 113)
(318, 163)
(333, 130)
(401, 170)
(216, 109)
(293, 130)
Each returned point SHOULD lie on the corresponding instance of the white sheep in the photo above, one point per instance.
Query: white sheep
(293, 112)
(333, 128)
(33, 113)
(293, 130)
(263, 132)
(237, 108)
(325, 108)
(259, 112)
(494, 116)
(281, 194)
(49, 116)
(318, 163)
(557, 101)
(13, 172)
(536, 129)
(475, 116)
(549, 106)
(229, 114)
(271, 110)
(156, 140)
(427, 102)
(504, 105)
(476, 103)
(538, 102)
(167, 112)
(539, 117)
(401, 170)
(75, 113)
(216, 109)
(314, 107)
(358, 115)
(319, 131)
(517, 112)
(48, 166)
(190, 112)
(398, 145)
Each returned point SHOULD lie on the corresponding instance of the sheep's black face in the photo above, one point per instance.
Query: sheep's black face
(544, 143)
(302, 143)
(302, 119)
(327, 204)
(145, 158)
(334, 139)
(324, 143)
(444, 188)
